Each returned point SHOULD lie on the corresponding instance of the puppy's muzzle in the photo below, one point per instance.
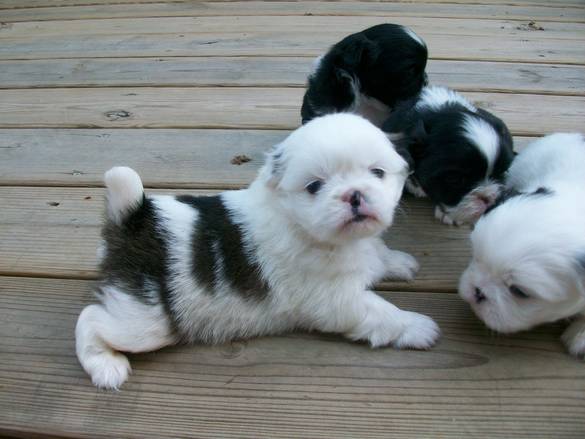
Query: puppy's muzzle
(358, 204)
(354, 198)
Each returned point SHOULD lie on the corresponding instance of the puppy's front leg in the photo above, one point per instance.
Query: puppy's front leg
(381, 324)
(396, 264)
(574, 337)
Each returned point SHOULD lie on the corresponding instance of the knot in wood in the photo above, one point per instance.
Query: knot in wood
(117, 114)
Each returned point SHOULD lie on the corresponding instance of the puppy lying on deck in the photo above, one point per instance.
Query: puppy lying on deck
(297, 249)
(528, 263)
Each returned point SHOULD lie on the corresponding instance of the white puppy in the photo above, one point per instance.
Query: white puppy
(528, 263)
(297, 249)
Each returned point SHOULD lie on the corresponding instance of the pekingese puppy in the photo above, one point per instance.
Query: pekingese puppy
(528, 264)
(367, 73)
(457, 152)
(298, 249)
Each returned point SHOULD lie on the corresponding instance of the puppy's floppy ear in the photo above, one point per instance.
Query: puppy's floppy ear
(402, 149)
(274, 166)
(417, 135)
(407, 131)
(506, 151)
(356, 52)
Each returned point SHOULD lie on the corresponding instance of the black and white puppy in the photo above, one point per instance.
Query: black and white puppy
(457, 152)
(299, 248)
(528, 264)
(367, 73)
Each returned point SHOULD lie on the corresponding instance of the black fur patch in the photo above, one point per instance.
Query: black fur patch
(507, 194)
(218, 240)
(444, 161)
(136, 258)
(384, 60)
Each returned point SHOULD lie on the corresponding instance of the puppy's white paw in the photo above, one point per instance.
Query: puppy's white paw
(420, 332)
(444, 217)
(385, 324)
(414, 188)
(108, 369)
(401, 265)
(574, 338)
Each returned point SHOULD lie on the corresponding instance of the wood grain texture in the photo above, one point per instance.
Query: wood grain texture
(381, 9)
(488, 40)
(20, 4)
(54, 232)
(189, 159)
(321, 26)
(275, 71)
(472, 385)
(226, 107)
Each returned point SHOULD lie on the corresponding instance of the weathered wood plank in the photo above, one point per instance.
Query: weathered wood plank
(320, 26)
(382, 9)
(478, 48)
(488, 40)
(19, 4)
(192, 159)
(54, 232)
(275, 71)
(471, 385)
(267, 108)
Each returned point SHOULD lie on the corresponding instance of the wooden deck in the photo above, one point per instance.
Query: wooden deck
(175, 90)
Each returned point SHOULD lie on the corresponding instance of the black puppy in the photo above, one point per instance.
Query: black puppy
(458, 153)
(367, 73)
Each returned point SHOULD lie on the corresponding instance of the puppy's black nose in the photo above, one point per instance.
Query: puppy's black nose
(479, 296)
(356, 199)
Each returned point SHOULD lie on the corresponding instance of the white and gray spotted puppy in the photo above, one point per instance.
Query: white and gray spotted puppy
(298, 249)
(528, 264)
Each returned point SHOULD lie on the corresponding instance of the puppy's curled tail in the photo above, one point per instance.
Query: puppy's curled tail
(125, 193)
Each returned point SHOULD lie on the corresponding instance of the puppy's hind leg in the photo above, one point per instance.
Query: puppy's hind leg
(120, 324)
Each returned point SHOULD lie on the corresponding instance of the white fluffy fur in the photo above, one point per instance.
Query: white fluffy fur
(535, 242)
(485, 137)
(318, 264)
(124, 191)
(435, 96)
(120, 323)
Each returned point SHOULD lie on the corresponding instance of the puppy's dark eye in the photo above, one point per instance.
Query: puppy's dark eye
(518, 292)
(314, 187)
(378, 172)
